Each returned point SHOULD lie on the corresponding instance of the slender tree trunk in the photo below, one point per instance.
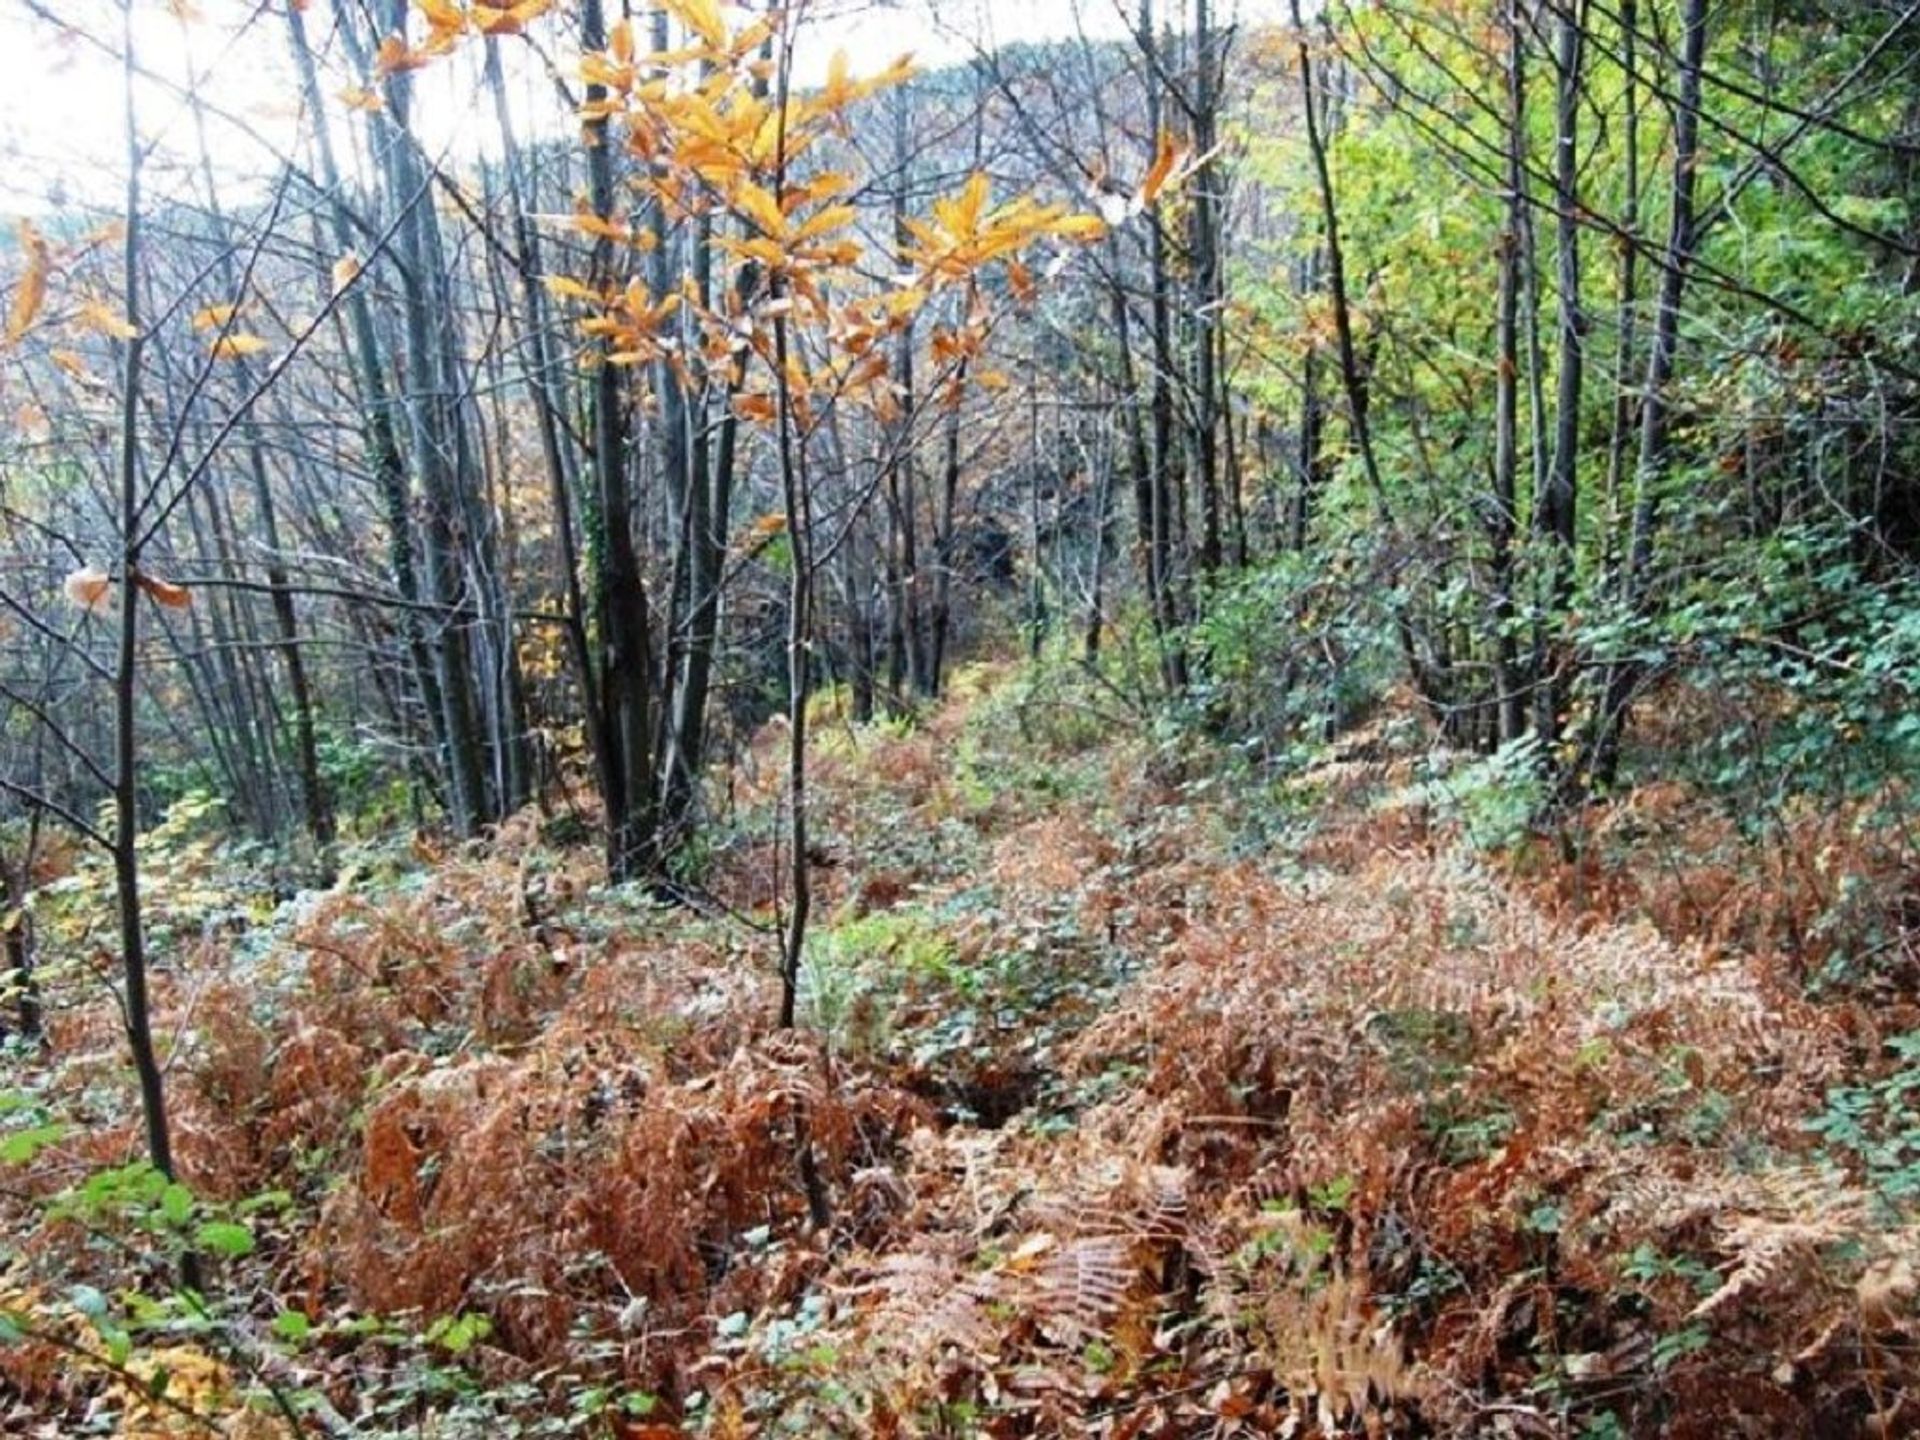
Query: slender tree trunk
(382, 439)
(1623, 676)
(1554, 513)
(1430, 678)
(1102, 460)
(932, 662)
(909, 662)
(538, 366)
(315, 804)
(17, 943)
(1209, 288)
(1626, 307)
(620, 594)
(439, 452)
(1509, 702)
(1162, 520)
(137, 1008)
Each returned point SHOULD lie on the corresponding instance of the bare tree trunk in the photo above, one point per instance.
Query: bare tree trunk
(384, 455)
(1626, 310)
(537, 370)
(1509, 703)
(1555, 507)
(908, 665)
(137, 1008)
(439, 452)
(1622, 677)
(315, 804)
(17, 942)
(1103, 461)
(620, 594)
(1209, 286)
(1430, 678)
(1163, 495)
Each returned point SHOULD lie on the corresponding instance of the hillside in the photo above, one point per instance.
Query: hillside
(1132, 1102)
(1194, 719)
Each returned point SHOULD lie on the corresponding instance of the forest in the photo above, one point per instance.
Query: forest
(1118, 718)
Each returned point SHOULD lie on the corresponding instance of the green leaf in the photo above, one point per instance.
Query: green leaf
(20, 1147)
(457, 1334)
(292, 1325)
(13, 1330)
(224, 1237)
(176, 1203)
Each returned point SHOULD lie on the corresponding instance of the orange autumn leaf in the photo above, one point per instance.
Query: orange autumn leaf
(757, 204)
(31, 291)
(214, 316)
(758, 409)
(69, 363)
(702, 17)
(345, 270)
(395, 57)
(165, 592)
(1079, 227)
(237, 345)
(1020, 282)
(1167, 155)
(565, 287)
(99, 316)
(89, 588)
(498, 18)
(445, 21)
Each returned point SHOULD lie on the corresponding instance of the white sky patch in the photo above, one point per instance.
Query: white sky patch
(62, 136)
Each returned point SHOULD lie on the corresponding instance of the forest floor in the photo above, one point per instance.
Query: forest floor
(1134, 1095)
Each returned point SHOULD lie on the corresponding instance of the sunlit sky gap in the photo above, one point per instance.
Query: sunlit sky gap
(61, 122)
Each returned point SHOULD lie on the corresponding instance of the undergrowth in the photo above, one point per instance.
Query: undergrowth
(1340, 1096)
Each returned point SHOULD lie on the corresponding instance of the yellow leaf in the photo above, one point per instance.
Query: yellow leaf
(89, 588)
(601, 228)
(827, 185)
(345, 270)
(32, 289)
(237, 345)
(758, 205)
(1079, 227)
(359, 97)
(214, 316)
(834, 217)
(702, 17)
(500, 17)
(444, 20)
(567, 288)
(98, 315)
(70, 364)
(961, 217)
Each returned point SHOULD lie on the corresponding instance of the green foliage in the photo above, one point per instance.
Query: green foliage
(1291, 652)
(1495, 799)
(1874, 1127)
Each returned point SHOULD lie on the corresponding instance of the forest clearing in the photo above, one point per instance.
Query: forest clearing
(1183, 718)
